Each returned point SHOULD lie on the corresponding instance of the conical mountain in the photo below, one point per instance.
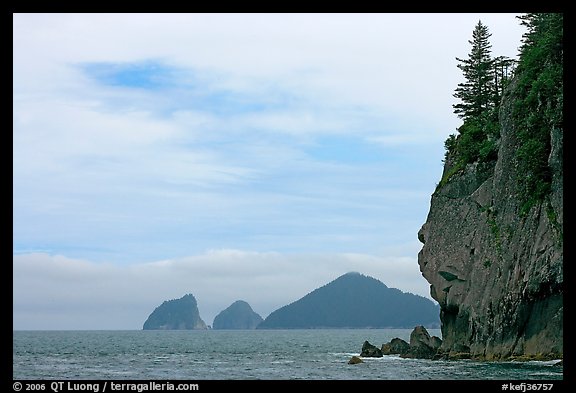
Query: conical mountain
(239, 315)
(355, 301)
(176, 314)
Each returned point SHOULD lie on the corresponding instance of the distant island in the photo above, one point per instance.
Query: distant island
(239, 315)
(354, 300)
(176, 314)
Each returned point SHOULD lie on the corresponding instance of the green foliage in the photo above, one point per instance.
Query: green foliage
(488, 150)
(536, 111)
(495, 230)
(539, 104)
(456, 168)
(534, 178)
(480, 97)
(450, 146)
(553, 218)
(471, 138)
(476, 93)
(487, 263)
(476, 142)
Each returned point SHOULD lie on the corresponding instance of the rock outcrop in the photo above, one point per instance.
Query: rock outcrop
(355, 360)
(421, 346)
(396, 346)
(370, 351)
(176, 314)
(239, 315)
(497, 275)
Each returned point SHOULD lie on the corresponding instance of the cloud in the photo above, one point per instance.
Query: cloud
(56, 292)
(126, 181)
(140, 138)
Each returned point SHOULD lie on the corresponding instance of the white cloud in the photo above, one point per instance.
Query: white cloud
(380, 60)
(55, 292)
(228, 156)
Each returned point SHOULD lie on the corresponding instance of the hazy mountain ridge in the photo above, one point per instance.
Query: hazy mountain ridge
(239, 315)
(354, 300)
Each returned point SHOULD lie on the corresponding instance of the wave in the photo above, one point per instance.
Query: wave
(544, 362)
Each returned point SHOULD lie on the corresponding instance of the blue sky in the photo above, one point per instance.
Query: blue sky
(232, 156)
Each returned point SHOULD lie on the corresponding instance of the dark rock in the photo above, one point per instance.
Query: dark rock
(460, 348)
(386, 349)
(419, 337)
(435, 342)
(421, 344)
(459, 355)
(396, 346)
(355, 360)
(370, 351)
(440, 355)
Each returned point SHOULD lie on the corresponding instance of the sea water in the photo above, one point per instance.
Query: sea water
(316, 354)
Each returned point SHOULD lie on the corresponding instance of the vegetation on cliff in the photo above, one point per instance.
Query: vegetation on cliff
(538, 104)
(493, 236)
(480, 94)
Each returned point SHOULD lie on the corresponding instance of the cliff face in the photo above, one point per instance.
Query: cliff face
(497, 276)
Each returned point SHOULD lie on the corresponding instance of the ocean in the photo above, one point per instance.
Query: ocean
(318, 354)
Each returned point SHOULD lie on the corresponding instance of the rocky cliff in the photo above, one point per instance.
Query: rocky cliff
(497, 274)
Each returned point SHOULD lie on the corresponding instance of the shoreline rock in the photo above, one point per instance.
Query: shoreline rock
(396, 346)
(424, 346)
(370, 351)
(421, 346)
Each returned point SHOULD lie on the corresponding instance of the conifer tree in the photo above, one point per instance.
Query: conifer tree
(476, 93)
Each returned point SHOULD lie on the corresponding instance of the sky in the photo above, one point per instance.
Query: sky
(249, 157)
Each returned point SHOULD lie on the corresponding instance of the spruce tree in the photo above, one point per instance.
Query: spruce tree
(480, 95)
(476, 93)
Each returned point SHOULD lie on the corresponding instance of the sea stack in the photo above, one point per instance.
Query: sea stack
(176, 314)
(239, 315)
